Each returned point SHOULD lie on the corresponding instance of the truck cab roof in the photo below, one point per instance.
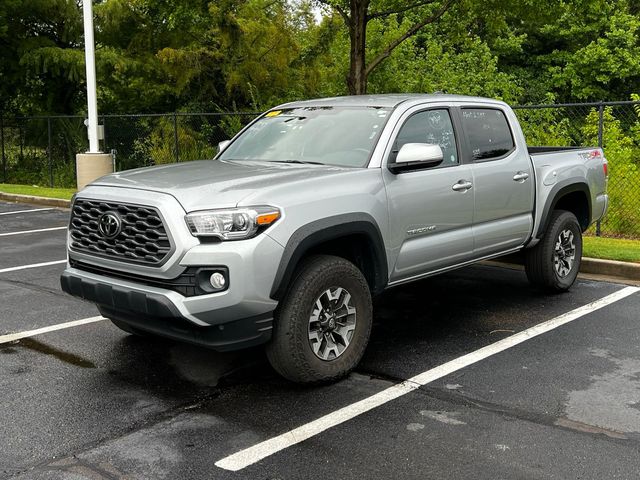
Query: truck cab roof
(391, 100)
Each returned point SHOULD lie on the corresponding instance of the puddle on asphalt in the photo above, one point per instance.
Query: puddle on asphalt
(610, 401)
(61, 355)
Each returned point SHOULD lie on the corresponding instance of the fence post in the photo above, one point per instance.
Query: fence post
(600, 144)
(104, 133)
(4, 158)
(600, 124)
(50, 153)
(175, 135)
(21, 135)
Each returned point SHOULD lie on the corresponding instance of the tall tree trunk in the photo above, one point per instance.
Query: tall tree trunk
(357, 79)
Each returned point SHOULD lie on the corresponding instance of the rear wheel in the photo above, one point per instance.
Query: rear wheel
(322, 326)
(554, 262)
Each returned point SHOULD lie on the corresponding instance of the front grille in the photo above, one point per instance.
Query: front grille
(142, 238)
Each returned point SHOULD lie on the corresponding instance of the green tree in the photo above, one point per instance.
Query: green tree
(357, 14)
(41, 56)
(201, 55)
(150, 54)
(588, 50)
(446, 56)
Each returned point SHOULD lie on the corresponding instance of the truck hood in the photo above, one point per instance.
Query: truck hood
(214, 183)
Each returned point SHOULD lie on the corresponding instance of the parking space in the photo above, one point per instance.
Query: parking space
(31, 235)
(92, 402)
(24, 219)
(7, 208)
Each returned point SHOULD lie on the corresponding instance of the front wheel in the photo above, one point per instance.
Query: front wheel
(322, 326)
(554, 262)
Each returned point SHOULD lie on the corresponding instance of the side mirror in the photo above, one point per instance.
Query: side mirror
(416, 156)
(223, 144)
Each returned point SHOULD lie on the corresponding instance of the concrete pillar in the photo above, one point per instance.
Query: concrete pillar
(90, 166)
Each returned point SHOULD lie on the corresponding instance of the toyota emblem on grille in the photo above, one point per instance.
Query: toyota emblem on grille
(109, 225)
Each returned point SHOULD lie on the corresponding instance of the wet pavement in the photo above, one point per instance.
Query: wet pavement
(91, 402)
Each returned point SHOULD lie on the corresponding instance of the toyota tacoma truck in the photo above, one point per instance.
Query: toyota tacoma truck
(316, 206)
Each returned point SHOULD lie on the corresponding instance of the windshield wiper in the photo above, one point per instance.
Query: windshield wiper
(298, 161)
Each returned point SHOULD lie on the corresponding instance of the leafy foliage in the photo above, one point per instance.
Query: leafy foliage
(41, 56)
(587, 50)
(172, 55)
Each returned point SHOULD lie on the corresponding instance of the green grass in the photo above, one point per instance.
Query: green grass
(612, 249)
(64, 193)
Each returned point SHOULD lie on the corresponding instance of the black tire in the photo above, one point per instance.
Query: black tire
(290, 351)
(540, 261)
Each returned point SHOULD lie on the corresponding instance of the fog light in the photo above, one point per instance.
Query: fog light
(217, 280)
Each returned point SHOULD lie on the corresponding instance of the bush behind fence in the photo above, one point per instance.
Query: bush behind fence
(41, 150)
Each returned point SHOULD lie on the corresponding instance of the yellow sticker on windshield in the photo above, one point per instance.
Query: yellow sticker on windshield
(273, 113)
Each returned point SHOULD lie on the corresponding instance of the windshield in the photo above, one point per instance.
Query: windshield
(342, 136)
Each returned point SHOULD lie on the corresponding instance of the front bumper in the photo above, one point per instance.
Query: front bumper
(162, 312)
(159, 313)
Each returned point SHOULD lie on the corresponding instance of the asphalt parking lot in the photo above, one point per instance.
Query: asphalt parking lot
(91, 402)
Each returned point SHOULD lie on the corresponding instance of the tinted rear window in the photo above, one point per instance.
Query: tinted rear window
(488, 132)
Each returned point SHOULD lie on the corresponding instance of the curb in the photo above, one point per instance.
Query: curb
(591, 266)
(34, 200)
(611, 268)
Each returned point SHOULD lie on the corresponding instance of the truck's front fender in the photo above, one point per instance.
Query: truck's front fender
(318, 232)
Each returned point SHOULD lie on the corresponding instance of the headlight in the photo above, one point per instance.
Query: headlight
(233, 223)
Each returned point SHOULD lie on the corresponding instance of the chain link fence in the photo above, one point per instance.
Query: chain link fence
(144, 140)
(41, 150)
(614, 126)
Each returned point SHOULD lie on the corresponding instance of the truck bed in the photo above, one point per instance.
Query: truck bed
(541, 150)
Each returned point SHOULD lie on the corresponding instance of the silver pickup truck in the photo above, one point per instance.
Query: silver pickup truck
(315, 207)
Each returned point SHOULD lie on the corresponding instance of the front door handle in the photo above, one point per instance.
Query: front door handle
(520, 176)
(462, 186)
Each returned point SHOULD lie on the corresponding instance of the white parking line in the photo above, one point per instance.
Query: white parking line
(12, 337)
(27, 211)
(32, 231)
(254, 454)
(33, 265)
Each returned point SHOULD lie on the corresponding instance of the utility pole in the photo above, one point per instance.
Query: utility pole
(93, 164)
(90, 62)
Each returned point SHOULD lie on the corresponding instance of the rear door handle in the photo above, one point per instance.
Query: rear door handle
(462, 186)
(520, 176)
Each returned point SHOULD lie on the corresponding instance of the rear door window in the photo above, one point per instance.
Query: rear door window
(488, 133)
